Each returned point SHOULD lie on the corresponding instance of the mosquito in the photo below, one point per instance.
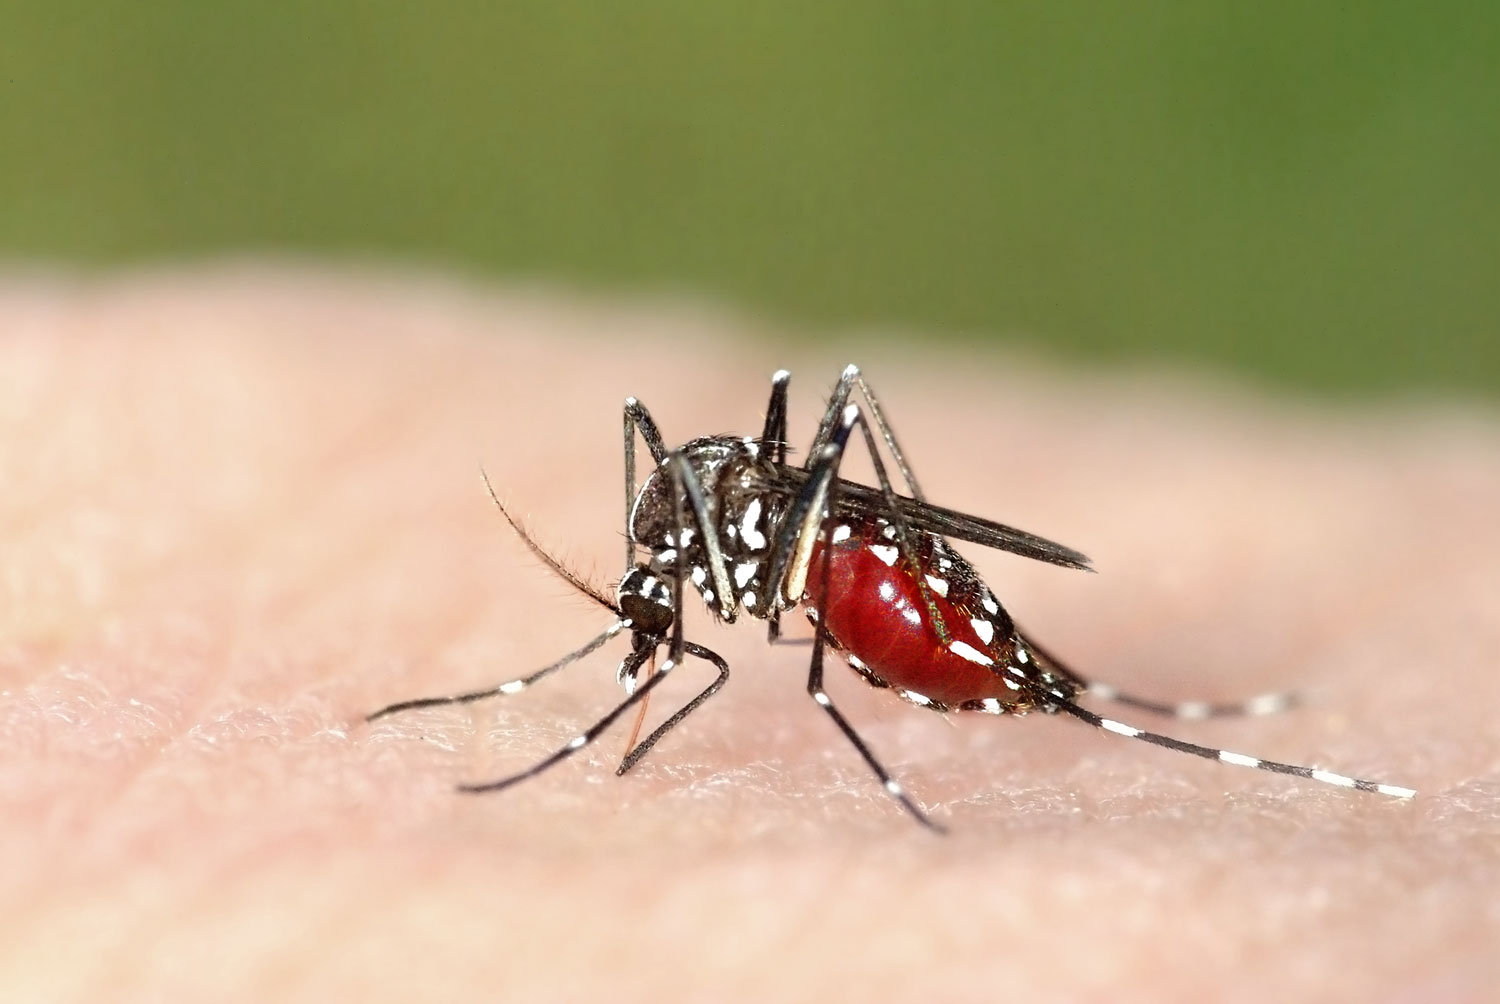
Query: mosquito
(873, 570)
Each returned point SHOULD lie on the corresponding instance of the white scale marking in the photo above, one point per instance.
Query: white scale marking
(885, 553)
(893, 788)
(749, 599)
(578, 742)
(939, 586)
(1395, 791)
(822, 699)
(887, 591)
(1268, 704)
(750, 526)
(1239, 759)
(971, 653)
(989, 604)
(1192, 710)
(513, 687)
(889, 532)
(744, 572)
(841, 534)
(1119, 728)
(699, 575)
(984, 629)
(916, 698)
(1330, 778)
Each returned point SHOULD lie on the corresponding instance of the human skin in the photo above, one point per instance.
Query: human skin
(242, 508)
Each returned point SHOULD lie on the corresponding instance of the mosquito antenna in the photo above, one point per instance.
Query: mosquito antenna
(512, 687)
(558, 568)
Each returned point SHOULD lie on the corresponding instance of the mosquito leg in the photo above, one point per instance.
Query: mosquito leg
(786, 571)
(804, 519)
(830, 419)
(889, 436)
(773, 436)
(1053, 700)
(896, 518)
(579, 741)
(773, 445)
(1263, 704)
(823, 480)
(689, 490)
(513, 687)
(637, 419)
(819, 695)
(634, 756)
(848, 380)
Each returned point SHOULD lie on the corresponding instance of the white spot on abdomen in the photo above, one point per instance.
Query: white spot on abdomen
(967, 651)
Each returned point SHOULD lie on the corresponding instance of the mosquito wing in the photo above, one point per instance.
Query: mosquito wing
(858, 499)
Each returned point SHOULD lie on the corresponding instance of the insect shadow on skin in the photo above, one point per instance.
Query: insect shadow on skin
(872, 569)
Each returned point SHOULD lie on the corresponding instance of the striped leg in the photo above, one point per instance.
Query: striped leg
(1055, 700)
(1264, 704)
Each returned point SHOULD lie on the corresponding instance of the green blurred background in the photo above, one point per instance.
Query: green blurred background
(1305, 192)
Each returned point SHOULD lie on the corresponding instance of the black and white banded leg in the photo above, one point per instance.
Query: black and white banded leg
(1053, 701)
(808, 514)
(773, 445)
(848, 381)
(511, 687)
(1262, 704)
(644, 647)
(637, 419)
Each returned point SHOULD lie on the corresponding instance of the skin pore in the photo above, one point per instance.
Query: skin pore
(243, 509)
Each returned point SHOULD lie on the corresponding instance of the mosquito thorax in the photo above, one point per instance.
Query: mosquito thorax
(733, 474)
(646, 600)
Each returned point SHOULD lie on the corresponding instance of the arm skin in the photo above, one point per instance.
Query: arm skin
(241, 509)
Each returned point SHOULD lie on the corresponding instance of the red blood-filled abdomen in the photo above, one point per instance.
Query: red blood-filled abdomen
(874, 609)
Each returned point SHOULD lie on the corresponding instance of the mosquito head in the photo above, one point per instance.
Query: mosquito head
(646, 600)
